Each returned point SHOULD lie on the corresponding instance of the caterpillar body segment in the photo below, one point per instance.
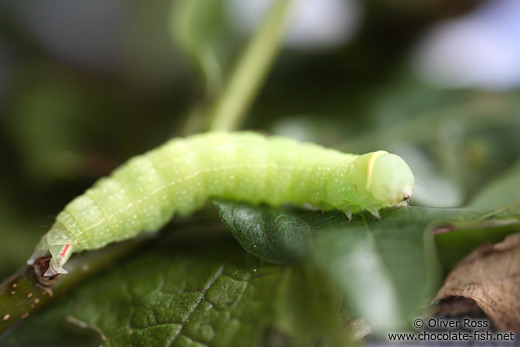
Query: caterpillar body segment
(180, 176)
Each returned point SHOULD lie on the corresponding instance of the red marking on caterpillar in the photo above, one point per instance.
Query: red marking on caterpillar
(62, 254)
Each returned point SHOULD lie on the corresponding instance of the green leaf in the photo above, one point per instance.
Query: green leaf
(205, 290)
(50, 328)
(388, 268)
(492, 227)
(503, 191)
(271, 234)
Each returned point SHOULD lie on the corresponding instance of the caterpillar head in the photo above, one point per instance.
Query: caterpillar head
(370, 182)
(388, 178)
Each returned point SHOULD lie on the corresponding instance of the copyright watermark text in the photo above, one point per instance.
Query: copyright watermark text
(452, 329)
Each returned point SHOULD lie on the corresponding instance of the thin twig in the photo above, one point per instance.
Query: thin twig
(251, 70)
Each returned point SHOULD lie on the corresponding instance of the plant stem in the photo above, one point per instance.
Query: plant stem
(251, 70)
(21, 295)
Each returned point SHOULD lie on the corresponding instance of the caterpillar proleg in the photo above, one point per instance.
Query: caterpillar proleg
(178, 177)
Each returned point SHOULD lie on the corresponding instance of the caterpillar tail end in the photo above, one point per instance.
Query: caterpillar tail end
(59, 255)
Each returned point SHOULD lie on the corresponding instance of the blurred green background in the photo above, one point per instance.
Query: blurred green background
(86, 85)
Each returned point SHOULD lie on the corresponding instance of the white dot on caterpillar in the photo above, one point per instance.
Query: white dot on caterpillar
(6, 317)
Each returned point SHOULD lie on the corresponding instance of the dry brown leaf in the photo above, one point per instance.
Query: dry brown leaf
(489, 277)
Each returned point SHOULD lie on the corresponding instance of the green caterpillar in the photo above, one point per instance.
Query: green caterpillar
(181, 175)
